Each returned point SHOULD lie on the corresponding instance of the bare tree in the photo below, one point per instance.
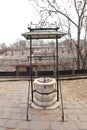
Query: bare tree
(19, 44)
(3, 46)
(72, 44)
(52, 7)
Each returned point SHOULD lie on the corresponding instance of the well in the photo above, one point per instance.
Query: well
(45, 93)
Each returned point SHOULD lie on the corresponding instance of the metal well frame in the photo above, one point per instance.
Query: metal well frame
(43, 33)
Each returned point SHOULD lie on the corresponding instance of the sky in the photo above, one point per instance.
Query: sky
(15, 15)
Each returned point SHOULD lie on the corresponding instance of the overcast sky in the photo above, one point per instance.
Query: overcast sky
(15, 15)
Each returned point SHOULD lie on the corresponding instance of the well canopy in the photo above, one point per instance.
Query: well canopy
(43, 33)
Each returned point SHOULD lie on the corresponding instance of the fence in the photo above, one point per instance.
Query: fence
(45, 73)
(64, 64)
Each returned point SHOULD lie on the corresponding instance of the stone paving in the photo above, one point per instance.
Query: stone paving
(13, 108)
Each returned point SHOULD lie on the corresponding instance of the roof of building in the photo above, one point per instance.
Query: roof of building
(42, 33)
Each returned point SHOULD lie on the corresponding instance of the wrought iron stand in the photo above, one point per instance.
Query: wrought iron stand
(43, 33)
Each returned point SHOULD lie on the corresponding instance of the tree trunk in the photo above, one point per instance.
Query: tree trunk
(78, 46)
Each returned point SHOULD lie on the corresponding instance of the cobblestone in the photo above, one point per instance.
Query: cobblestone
(11, 123)
(2, 122)
(13, 108)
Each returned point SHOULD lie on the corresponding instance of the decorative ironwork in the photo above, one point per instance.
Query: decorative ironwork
(43, 24)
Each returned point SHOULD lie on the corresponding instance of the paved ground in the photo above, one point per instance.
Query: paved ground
(13, 104)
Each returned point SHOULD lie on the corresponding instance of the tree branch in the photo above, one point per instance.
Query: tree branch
(76, 8)
(58, 11)
(83, 8)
